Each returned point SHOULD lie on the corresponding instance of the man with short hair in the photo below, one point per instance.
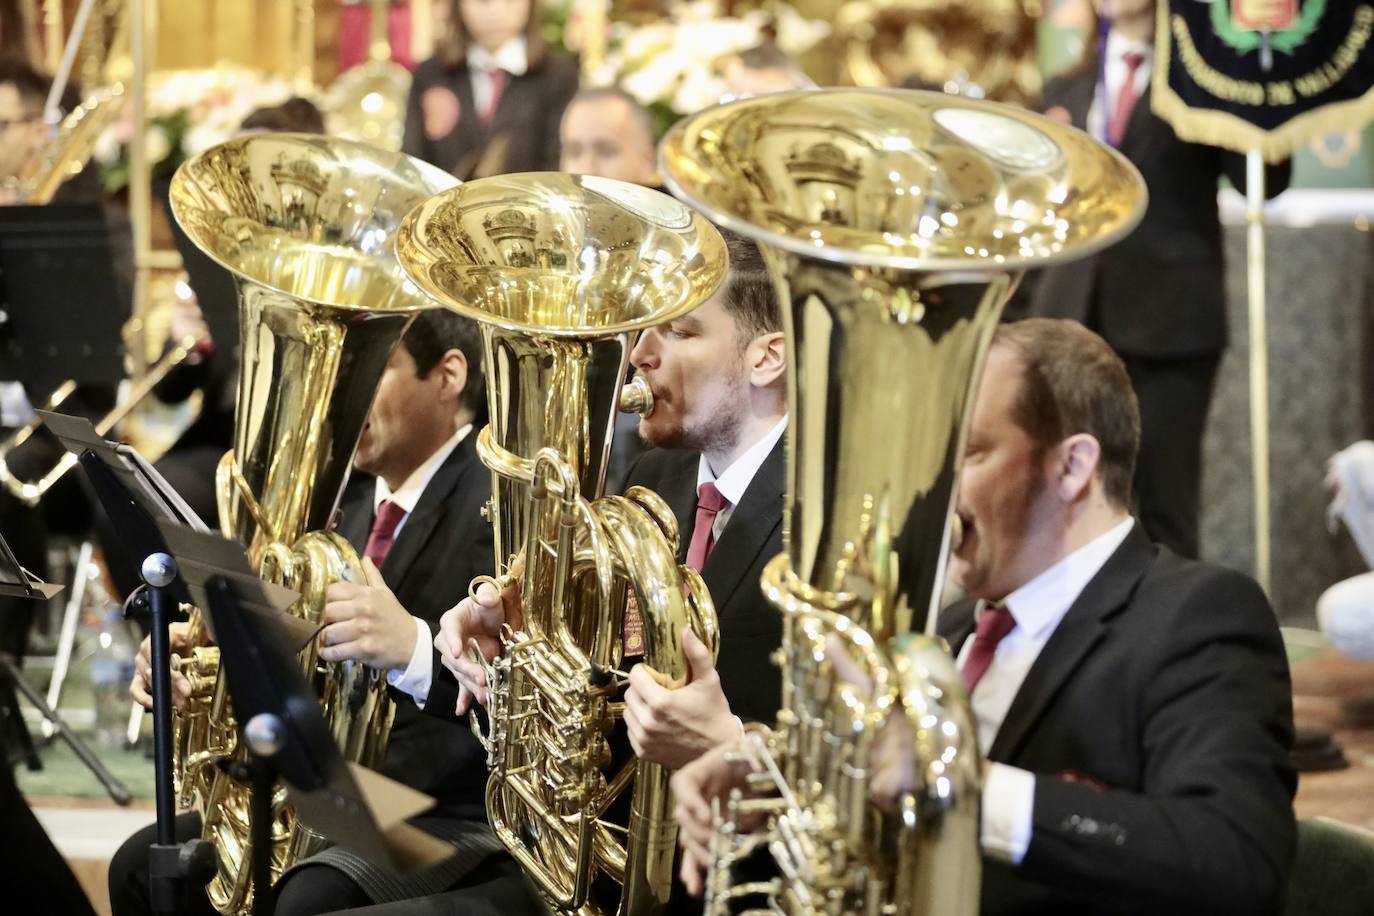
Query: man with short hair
(418, 527)
(1134, 707)
(606, 133)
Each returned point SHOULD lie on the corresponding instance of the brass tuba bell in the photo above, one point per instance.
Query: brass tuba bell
(896, 224)
(306, 225)
(561, 272)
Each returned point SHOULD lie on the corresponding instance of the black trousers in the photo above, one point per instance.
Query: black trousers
(1175, 396)
(495, 889)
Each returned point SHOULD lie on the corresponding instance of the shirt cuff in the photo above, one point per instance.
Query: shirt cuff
(1008, 808)
(417, 676)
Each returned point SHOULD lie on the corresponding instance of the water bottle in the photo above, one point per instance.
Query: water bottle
(112, 668)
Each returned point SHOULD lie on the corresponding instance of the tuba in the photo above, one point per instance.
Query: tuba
(561, 272)
(306, 226)
(895, 224)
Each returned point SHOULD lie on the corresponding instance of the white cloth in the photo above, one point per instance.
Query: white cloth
(416, 677)
(1114, 74)
(15, 409)
(510, 57)
(1037, 607)
(1350, 474)
(1345, 611)
(735, 479)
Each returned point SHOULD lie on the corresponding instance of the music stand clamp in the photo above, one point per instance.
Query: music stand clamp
(170, 864)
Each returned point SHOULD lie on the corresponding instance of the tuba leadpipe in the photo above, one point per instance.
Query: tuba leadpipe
(561, 272)
(895, 224)
(306, 225)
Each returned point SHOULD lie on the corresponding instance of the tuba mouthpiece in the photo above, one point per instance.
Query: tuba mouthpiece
(637, 397)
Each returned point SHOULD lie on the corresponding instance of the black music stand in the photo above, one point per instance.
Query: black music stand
(281, 723)
(17, 582)
(133, 495)
(60, 310)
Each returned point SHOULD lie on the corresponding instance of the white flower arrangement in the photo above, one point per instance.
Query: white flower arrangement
(188, 112)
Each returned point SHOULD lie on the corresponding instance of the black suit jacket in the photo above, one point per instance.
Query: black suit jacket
(443, 545)
(527, 116)
(1160, 292)
(750, 625)
(1167, 683)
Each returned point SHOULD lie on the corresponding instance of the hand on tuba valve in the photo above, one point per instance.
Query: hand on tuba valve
(470, 632)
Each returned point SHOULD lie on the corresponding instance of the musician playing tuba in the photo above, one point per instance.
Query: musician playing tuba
(717, 430)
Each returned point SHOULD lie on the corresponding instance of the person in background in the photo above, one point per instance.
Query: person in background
(606, 133)
(491, 98)
(1158, 296)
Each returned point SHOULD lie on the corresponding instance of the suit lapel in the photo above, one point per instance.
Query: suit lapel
(354, 520)
(1138, 121)
(752, 523)
(428, 513)
(1078, 97)
(1081, 629)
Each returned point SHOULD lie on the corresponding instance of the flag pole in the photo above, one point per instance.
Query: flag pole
(1259, 360)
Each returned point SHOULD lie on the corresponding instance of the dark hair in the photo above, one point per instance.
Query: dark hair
(751, 297)
(1073, 383)
(638, 113)
(436, 331)
(452, 46)
(766, 55)
(33, 86)
(295, 115)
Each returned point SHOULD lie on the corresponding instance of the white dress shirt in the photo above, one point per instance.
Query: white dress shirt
(415, 679)
(510, 57)
(1037, 607)
(1113, 75)
(735, 479)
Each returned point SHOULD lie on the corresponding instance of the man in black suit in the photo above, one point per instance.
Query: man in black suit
(1158, 296)
(416, 520)
(1134, 707)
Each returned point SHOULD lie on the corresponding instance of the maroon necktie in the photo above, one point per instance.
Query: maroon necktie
(993, 624)
(498, 85)
(709, 504)
(383, 535)
(1125, 99)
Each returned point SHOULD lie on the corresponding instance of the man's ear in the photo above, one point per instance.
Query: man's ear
(454, 368)
(767, 355)
(1076, 461)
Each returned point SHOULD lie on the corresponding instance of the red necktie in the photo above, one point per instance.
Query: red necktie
(993, 624)
(709, 504)
(1125, 99)
(498, 85)
(383, 534)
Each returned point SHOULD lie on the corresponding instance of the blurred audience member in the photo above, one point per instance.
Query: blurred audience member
(1345, 611)
(606, 133)
(295, 116)
(491, 99)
